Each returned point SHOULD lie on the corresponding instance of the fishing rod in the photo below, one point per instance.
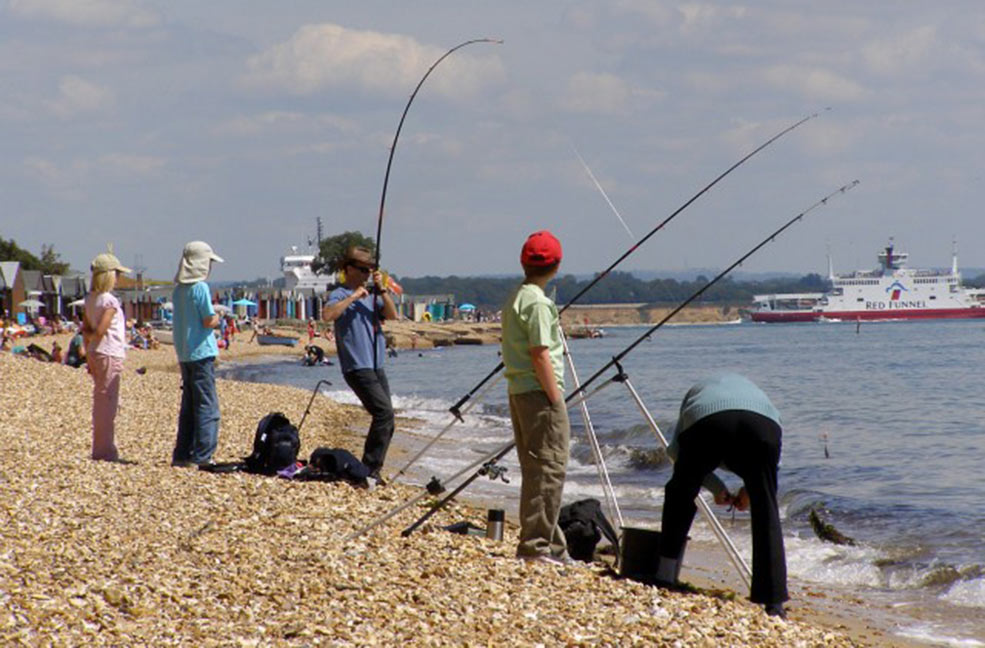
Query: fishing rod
(389, 165)
(579, 391)
(615, 360)
(456, 408)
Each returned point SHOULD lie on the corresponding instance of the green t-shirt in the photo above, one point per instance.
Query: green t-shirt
(530, 319)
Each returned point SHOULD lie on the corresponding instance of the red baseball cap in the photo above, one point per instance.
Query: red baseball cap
(541, 249)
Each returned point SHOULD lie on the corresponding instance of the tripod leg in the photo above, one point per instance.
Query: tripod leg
(730, 549)
(610, 495)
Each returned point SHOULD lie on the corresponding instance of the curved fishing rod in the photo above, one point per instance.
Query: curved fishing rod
(615, 359)
(456, 408)
(389, 165)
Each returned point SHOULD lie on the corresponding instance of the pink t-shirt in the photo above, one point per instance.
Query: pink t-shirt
(114, 342)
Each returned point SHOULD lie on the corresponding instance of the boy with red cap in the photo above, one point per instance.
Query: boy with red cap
(532, 354)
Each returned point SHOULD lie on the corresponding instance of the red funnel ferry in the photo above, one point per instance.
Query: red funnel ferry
(890, 292)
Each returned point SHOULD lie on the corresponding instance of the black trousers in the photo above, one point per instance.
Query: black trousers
(373, 391)
(747, 444)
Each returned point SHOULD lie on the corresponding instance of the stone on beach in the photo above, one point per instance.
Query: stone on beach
(98, 553)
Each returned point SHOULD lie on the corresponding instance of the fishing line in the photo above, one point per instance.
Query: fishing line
(580, 390)
(389, 165)
(455, 409)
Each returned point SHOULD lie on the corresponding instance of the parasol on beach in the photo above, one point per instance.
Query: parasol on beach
(244, 302)
(31, 304)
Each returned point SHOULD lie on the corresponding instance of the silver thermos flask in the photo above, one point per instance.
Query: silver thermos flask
(494, 524)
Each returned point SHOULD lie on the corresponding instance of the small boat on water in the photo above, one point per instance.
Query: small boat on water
(587, 332)
(282, 340)
(890, 292)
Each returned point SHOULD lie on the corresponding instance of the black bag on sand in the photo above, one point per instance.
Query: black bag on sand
(334, 464)
(275, 445)
(583, 525)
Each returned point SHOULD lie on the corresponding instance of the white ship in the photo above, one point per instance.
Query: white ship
(890, 292)
(298, 274)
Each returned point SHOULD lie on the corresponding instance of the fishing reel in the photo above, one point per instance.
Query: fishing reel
(494, 471)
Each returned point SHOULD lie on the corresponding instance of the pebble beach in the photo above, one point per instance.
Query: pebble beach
(140, 553)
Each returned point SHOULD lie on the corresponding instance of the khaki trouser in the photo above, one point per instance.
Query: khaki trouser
(541, 431)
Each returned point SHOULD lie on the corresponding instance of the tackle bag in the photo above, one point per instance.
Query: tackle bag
(275, 445)
(583, 525)
(334, 464)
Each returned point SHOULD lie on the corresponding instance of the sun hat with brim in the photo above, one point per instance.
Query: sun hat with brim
(107, 262)
(196, 260)
(540, 250)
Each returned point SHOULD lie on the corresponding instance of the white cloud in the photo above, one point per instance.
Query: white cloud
(125, 164)
(327, 55)
(281, 121)
(92, 13)
(73, 178)
(901, 52)
(698, 14)
(605, 94)
(76, 95)
(814, 83)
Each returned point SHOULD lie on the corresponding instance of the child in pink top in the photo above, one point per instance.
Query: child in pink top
(104, 332)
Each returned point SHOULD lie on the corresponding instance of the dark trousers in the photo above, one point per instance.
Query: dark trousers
(373, 391)
(747, 444)
(198, 420)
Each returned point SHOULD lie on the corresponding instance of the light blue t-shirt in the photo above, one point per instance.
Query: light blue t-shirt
(192, 304)
(354, 333)
(719, 393)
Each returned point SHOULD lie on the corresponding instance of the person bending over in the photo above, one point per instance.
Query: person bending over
(726, 420)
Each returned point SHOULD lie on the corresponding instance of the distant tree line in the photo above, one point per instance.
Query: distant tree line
(617, 288)
(50, 262)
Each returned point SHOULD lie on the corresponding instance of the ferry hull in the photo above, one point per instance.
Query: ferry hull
(852, 316)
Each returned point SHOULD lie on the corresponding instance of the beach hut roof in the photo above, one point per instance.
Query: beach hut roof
(8, 273)
(32, 280)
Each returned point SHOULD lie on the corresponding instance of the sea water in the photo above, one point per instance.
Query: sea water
(883, 435)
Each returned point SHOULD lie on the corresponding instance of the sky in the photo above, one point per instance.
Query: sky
(147, 124)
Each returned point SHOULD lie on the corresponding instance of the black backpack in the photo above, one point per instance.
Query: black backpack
(583, 525)
(275, 445)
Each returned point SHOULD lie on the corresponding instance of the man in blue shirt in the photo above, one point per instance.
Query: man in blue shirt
(726, 420)
(351, 307)
(195, 345)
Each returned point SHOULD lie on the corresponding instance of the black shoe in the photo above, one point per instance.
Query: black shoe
(776, 610)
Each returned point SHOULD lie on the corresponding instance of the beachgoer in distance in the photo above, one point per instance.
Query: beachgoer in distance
(311, 331)
(56, 352)
(726, 420)
(76, 356)
(104, 334)
(351, 307)
(195, 346)
(532, 354)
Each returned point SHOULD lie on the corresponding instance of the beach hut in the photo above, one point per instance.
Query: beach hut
(11, 287)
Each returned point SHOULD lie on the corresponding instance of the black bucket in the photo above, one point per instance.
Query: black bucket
(639, 553)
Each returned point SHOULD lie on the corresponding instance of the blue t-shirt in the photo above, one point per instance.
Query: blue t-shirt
(354, 333)
(192, 304)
